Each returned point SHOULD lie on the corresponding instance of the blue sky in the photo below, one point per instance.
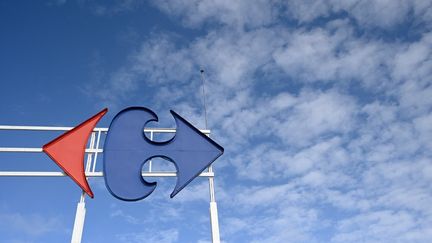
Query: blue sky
(324, 109)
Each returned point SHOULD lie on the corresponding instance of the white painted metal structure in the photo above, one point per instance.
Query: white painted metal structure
(90, 170)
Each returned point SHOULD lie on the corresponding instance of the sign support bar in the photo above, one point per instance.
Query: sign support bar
(214, 221)
(81, 210)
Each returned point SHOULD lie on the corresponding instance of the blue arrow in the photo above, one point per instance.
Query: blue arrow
(127, 148)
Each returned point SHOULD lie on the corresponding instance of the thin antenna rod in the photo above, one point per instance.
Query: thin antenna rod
(204, 95)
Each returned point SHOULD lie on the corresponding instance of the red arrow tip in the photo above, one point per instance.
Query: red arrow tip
(68, 150)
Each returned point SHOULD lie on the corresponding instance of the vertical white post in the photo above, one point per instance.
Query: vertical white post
(79, 221)
(96, 153)
(150, 162)
(214, 221)
(81, 210)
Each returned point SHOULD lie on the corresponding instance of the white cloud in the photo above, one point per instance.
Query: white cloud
(334, 54)
(195, 192)
(105, 8)
(423, 127)
(381, 226)
(386, 14)
(33, 225)
(126, 217)
(413, 62)
(315, 115)
(162, 236)
(233, 13)
(306, 11)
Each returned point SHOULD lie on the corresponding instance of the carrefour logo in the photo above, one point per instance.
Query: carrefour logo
(127, 148)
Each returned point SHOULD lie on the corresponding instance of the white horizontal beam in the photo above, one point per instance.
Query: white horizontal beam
(44, 128)
(97, 129)
(38, 150)
(88, 174)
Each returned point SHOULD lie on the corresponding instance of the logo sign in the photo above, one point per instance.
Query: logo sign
(126, 149)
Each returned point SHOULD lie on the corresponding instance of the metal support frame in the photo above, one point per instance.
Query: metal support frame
(214, 221)
(90, 171)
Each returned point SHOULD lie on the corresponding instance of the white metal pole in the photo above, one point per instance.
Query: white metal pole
(214, 221)
(96, 154)
(102, 129)
(150, 162)
(89, 174)
(81, 210)
(79, 221)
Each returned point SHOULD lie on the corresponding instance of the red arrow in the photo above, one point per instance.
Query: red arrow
(68, 150)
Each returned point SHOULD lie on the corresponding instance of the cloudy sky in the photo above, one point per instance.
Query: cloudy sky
(324, 109)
